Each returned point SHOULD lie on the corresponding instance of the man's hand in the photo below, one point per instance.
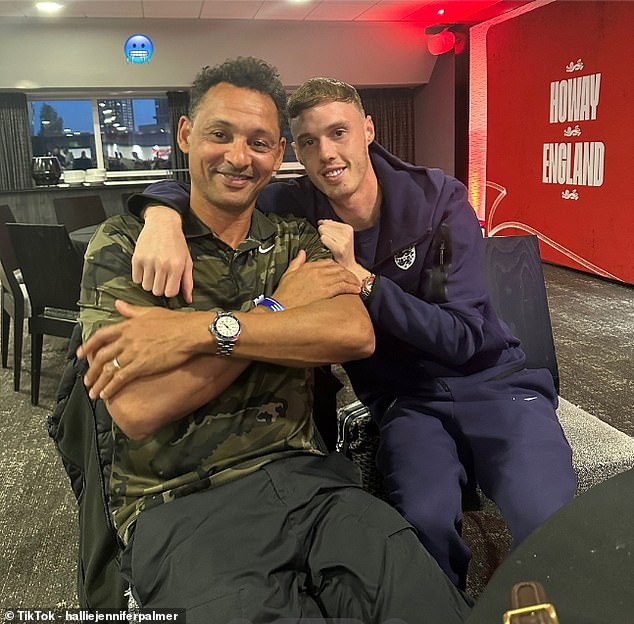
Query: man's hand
(339, 238)
(307, 282)
(125, 351)
(161, 262)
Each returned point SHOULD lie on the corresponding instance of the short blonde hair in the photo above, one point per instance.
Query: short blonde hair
(316, 91)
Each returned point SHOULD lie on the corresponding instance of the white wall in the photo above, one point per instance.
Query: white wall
(85, 53)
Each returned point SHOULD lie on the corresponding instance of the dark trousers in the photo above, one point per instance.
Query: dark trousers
(294, 540)
(509, 431)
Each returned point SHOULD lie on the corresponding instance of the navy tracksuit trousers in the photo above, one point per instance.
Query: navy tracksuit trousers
(505, 430)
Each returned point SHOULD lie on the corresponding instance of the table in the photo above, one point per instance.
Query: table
(81, 237)
(583, 555)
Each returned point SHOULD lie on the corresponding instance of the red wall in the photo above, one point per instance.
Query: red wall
(564, 172)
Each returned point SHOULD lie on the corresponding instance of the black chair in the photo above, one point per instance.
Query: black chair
(515, 280)
(124, 201)
(79, 212)
(51, 268)
(15, 299)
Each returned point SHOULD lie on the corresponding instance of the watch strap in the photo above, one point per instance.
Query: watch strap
(366, 286)
(224, 348)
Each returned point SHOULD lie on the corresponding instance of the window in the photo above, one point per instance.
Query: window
(135, 133)
(64, 128)
(119, 135)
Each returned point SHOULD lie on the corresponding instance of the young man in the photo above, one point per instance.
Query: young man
(447, 383)
(225, 503)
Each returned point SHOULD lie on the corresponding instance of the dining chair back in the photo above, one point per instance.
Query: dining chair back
(51, 268)
(124, 201)
(515, 280)
(78, 212)
(15, 299)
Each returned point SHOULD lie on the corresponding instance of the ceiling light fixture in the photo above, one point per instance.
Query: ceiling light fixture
(440, 39)
(49, 7)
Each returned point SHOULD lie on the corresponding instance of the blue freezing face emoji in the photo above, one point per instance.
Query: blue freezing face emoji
(138, 48)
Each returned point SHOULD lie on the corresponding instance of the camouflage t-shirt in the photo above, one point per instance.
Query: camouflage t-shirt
(265, 414)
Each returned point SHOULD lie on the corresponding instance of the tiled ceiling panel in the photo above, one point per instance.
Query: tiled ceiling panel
(187, 9)
(392, 11)
(285, 10)
(422, 12)
(230, 9)
(116, 8)
(340, 10)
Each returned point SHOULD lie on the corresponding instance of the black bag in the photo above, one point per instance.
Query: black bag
(358, 439)
(82, 432)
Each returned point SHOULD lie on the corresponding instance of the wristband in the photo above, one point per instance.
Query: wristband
(270, 303)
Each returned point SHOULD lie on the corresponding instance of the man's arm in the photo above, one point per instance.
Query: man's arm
(444, 318)
(107, 277)
(161, 263)
(168, 366)
(332, 330)
(339, 238)
(170, 193)
(154, 340)
(139, 409)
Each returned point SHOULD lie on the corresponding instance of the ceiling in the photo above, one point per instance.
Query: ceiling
(423, 12)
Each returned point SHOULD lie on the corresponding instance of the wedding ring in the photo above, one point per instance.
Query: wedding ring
(115, 363)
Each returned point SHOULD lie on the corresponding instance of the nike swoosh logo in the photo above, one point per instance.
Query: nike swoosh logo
(530, 398)
(265, 250)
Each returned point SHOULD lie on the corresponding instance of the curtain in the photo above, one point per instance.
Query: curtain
(392, 111)
(15, 143)
(178, 105)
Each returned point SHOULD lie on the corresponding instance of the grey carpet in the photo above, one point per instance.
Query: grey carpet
(593, 326)
(38, 522)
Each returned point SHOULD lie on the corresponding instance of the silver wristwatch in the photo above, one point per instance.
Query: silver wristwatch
(226, 329)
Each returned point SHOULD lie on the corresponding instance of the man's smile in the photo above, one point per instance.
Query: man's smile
(235, 179)
(334, 174)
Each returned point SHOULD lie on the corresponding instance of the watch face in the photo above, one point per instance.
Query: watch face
(227, 326)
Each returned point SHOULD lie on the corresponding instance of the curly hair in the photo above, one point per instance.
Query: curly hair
(244, 71)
